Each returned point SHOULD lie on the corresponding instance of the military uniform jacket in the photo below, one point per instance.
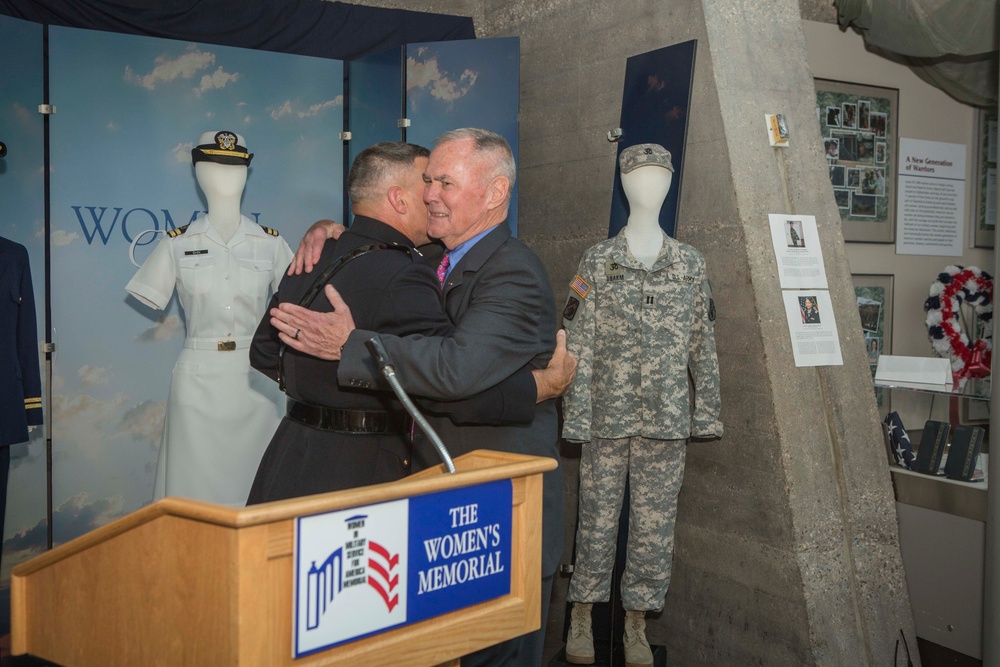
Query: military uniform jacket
(638, 334)
(21, 388)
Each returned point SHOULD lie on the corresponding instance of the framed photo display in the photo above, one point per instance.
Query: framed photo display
(874, 296)
(858, 125)
(986, 181)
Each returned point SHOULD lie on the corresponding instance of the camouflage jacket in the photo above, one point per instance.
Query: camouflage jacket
(637, 334)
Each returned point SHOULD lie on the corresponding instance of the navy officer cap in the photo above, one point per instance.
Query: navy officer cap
(225, 149)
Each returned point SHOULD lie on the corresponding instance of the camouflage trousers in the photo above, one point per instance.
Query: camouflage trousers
(655, 469)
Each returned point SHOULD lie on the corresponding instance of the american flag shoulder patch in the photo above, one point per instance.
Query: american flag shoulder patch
(580, 286)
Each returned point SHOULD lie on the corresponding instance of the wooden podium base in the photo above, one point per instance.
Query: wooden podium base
(606, 657)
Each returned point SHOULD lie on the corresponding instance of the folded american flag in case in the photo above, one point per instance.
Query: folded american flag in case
(899, 441)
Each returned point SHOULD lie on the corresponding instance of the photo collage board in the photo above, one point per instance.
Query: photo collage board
(859, 142)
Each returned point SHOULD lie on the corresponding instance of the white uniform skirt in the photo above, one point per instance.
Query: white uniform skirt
(220, 416)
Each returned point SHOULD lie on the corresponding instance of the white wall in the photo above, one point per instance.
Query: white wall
(924, 113)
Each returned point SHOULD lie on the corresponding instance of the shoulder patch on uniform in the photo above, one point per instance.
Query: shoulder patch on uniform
(178, 231)
(269, 230)
(580, 286)
(711, 310)
(569, 312)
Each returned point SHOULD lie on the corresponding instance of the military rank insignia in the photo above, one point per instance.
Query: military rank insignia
(580, 286)
(177, 232)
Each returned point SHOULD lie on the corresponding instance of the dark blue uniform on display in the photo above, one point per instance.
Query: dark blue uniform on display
(21, 390)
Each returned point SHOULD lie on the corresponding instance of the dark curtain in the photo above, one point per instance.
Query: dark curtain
(304, 27)
(950, 44)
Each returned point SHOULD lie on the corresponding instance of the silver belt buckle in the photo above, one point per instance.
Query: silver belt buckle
(227, 346)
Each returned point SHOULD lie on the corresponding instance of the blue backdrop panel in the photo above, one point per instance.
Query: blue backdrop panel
(375, 102)
(656, 105)
(127, 117)
(22, 192)
(464, 84)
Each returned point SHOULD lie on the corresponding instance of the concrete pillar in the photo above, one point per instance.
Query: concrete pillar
(786, 546)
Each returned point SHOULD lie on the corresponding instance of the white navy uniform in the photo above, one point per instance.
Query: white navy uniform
(220, 413)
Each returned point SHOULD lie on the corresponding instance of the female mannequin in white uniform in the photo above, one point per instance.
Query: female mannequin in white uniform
(220, 413)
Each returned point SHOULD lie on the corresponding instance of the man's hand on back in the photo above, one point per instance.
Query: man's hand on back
(311, 245)
(554, 380)
(321, 335)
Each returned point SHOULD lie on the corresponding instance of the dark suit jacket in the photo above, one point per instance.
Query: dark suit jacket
(501, 302)
(21, 388)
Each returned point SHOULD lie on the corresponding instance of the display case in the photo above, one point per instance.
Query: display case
(942, 522)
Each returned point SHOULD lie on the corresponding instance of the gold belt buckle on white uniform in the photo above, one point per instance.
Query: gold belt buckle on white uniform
(227, 346)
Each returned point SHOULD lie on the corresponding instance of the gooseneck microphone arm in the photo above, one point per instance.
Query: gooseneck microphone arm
(377, 350)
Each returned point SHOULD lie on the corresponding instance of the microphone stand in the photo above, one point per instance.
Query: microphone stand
(377, 350)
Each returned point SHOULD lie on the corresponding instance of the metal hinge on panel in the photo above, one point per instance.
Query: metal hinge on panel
(46, 109)
(48, 347)
(345, 136)
(403, 122)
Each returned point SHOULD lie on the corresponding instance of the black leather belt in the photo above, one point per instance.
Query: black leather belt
(339, 420)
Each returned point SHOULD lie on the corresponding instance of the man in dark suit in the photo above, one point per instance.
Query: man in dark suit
(335, 438)
(497, 293)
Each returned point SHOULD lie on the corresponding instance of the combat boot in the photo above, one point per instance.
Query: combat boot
(580, 638)
(637, 651)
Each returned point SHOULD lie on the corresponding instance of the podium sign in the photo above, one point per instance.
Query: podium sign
(364, 570)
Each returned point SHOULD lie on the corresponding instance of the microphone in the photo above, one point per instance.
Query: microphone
(3, 149)
(378, 351)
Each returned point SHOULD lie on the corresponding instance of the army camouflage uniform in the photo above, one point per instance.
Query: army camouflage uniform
(637, 334)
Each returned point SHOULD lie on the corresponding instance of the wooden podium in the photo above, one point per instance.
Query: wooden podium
(182, 582)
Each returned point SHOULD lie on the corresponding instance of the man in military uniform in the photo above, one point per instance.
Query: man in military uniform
(335, 438)
(637, 330)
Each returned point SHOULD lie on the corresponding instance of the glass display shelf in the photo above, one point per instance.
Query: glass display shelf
(972, 390)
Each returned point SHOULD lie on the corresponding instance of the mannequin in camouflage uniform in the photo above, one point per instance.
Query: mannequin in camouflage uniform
(639, 318)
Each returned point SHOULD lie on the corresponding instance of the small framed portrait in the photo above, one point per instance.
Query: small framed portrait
(837, 175)
(843, 197)
(809, 309)
(849, 119)
(854, 178)
(794, 237)
(866, 148)
(878, 123)
(874, 296)
(863, 205)
(864, 114)
(848, 145)
(873, 182)
(832, 147)
(833, 116)
(879, 152)
(986, 178)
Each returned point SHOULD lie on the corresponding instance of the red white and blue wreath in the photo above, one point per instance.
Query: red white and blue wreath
(954, 286)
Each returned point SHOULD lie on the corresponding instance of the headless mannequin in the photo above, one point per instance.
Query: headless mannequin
(646, 189)
(221, 267)
(223, 188)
